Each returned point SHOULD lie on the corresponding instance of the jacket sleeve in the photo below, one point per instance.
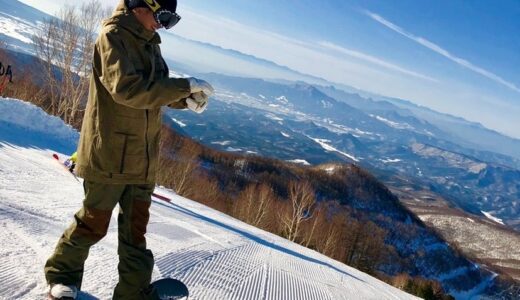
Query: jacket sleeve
(128, 87)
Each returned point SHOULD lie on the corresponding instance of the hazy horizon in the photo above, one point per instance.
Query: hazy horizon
(460, 58)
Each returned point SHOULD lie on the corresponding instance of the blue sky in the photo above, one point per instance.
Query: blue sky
(459, 57)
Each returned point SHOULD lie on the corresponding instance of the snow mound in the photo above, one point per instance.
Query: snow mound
(299, 161)
(23, 124)
(492, 218)
(33, 118)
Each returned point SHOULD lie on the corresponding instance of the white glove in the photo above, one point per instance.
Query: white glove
(199, 85)
(197, 102)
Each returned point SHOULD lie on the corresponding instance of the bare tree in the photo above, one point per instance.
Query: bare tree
(364, 245)
(179, 169)
(65, 46)
(331, 230)
(331, 240)
(253, 204)
(302, 200)
(265, 197)
(44, 41)
(318, 219)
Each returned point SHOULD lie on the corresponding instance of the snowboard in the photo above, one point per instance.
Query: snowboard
(171, 289)
(167, 289)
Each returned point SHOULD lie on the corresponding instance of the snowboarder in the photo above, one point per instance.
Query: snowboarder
(118, 148)
(70, 163)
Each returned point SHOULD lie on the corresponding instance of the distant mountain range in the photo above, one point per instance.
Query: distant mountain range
(300, 122)
(471, 135)
(195, 56)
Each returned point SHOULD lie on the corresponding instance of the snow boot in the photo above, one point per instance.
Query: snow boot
(62, 292)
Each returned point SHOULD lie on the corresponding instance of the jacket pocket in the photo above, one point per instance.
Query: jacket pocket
(123, 152)
(131, 159)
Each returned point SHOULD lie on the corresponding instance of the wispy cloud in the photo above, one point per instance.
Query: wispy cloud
(438, 49)
(336, 63)
(374, 60)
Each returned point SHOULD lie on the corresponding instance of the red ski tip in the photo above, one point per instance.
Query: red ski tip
(55, 156)
(162, 198)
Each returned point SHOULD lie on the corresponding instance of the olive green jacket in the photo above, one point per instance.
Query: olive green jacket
(119, 142)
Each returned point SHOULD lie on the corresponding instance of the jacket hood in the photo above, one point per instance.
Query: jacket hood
(124, 18)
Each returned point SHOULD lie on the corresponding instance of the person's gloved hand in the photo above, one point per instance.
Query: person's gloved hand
(197, 102)
(199, 85)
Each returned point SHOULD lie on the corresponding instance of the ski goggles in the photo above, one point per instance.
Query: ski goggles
(166, 18)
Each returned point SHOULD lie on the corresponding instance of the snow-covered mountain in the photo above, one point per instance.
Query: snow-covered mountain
(217, 256)
(18, 23)
(319, 128)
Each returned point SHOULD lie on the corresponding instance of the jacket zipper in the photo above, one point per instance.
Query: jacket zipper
(152, 78)
(146, 142)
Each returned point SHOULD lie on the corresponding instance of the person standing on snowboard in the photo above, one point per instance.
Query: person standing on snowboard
(119, 146)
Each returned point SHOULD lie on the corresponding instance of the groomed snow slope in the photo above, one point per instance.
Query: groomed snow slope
(217, 256)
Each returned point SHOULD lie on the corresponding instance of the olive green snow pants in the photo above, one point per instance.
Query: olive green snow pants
(90, 226)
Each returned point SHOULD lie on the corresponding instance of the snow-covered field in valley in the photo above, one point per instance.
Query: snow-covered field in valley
(216, 256)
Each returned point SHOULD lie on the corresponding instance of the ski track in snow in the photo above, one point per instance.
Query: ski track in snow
(217, 256)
